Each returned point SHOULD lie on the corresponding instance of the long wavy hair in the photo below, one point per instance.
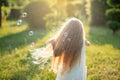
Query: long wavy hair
(67, 45)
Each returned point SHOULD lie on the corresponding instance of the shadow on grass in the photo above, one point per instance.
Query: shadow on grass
(102, 36)
(18, 40)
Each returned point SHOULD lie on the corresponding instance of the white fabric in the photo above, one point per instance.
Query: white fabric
(78, 72)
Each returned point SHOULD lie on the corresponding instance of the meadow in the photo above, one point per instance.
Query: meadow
(103, 55)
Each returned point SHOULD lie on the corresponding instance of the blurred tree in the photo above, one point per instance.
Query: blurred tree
(16, 8)
(77, 8)
(36, 11)
(60, 9)
(70, 9)
(2, 3)
(113, 25)
(86, 9)
(0, 14)
(114, 3)
(14, 14)
(113, 15)
(19, 3)
(98, 8)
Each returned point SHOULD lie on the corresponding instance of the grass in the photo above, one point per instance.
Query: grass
(15, 43)
(103, 55)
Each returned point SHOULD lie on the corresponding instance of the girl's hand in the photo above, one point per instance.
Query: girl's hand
(87, 43)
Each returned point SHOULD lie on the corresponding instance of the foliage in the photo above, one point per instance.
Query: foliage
(4, 3)
(113, 14)
(36, 12)
(15, 14)
(98, 8)
(113, 3)
(114, 25)
(76, 9)
(70, 9)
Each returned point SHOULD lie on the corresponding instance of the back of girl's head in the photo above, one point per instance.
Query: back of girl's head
(68, 44)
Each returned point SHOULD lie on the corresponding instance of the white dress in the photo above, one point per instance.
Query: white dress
(78, 72)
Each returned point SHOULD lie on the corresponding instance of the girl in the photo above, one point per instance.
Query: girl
(69, 51)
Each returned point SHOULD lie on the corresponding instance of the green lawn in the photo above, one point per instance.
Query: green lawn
(103, 55)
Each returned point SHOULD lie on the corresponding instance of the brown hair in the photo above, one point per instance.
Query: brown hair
(68, 44)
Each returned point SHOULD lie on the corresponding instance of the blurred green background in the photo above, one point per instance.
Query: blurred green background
(29, 24)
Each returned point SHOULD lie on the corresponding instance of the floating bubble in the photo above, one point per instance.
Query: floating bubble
(65, 34)
(31, 33)
(19, 22)
(24, 14)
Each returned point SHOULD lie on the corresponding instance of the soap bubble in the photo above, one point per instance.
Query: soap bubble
(31, 33)
(19, 22)
(24, 14)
